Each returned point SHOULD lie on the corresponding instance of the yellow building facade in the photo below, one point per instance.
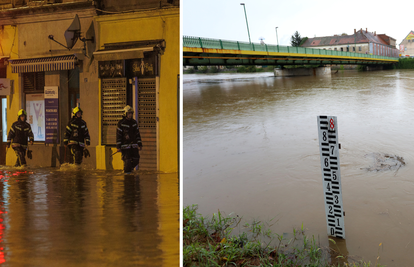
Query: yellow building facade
(139, 49)
(145, 30)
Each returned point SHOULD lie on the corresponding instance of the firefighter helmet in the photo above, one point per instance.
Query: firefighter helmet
(22, 112)
(128, 109)
(76, 110)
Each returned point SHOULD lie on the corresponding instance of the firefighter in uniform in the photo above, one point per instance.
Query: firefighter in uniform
(77, 135)
(20, 132)
(128, 140)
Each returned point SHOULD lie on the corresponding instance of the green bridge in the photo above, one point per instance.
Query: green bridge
(199, 51)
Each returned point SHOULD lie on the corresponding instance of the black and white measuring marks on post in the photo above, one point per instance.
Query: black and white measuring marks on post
(329, 150)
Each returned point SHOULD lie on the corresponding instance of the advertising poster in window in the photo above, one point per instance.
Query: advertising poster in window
(35, 108)
(52, 114)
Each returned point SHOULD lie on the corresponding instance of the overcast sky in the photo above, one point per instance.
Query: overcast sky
(225, 19)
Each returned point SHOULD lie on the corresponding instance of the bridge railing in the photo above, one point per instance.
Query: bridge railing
(190, 41)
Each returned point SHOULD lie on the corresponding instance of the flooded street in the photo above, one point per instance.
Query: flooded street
(251, 147)
(67, 217)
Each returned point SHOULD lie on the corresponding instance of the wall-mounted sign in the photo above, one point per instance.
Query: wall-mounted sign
(143, 67)
(5, 86)
(52, 114)
(410, 36)
(111, 69)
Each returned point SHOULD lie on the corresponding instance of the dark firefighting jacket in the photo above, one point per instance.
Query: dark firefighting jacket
(127, 134)
(77, 133)
(20, 132)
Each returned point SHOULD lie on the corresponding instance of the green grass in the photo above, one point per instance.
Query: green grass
(211, 242)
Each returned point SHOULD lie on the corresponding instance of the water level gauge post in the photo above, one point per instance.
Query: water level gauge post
(331, 175)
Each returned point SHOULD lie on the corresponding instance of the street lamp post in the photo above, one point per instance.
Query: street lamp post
(248, 32)
(277, 39)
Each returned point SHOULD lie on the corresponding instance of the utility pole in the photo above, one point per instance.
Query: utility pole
(248, 32)
(277, 39)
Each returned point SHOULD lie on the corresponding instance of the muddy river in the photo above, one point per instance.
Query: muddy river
(68, 217)
(251, 147)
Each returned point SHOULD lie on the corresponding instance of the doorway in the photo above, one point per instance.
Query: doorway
(145, 107)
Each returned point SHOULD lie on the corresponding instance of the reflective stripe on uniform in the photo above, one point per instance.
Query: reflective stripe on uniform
(67, 127)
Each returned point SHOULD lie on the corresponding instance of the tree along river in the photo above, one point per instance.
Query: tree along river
(68, 217)
(251, 147)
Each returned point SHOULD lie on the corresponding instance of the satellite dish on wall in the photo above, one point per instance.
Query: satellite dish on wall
(90, 36)
(72, 34)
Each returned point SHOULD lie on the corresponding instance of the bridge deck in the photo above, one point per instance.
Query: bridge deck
(202, 51)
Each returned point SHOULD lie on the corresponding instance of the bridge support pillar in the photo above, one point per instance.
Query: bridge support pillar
(374, 67)
(320, 71)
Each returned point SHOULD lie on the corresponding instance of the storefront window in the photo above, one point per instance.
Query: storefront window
(35, 108)
(33, 87)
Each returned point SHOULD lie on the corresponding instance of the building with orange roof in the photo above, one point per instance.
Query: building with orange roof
(360, 42)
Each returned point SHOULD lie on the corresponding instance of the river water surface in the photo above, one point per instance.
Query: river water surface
(67, 217)
(251, 147)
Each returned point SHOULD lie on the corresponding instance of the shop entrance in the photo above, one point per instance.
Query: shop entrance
(145, 103)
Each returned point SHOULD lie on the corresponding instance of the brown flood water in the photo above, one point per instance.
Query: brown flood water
(251, 147)
(67, 217)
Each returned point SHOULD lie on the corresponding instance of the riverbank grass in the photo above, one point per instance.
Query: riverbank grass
(211, 242)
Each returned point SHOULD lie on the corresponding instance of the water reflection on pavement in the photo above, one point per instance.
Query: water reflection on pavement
(50, 217)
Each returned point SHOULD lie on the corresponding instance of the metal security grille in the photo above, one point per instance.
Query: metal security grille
(33, 81)
(147, 122)
(113, 102)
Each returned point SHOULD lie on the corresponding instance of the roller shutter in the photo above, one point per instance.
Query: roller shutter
(147, 122)
(113, 103)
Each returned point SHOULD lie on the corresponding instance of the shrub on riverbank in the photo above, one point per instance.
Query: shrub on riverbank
(405, 63)
(210, 242)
